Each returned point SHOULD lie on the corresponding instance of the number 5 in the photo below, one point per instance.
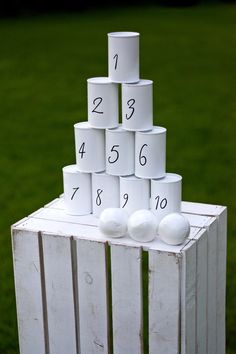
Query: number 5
(117, 154)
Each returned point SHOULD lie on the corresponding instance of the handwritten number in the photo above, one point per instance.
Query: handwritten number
(75, 190)
(116, 60)
(142, 158)
(98, 199)
(126, 197)
(117, 154)
(163, 202)
(81, 150)
(130, 104)
(99, 100)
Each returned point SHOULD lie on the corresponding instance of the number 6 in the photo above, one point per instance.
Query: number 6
(142, 158)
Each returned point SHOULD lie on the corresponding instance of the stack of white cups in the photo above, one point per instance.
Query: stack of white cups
(121, 165)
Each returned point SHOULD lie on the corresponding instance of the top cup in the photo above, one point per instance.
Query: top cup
(123, 57)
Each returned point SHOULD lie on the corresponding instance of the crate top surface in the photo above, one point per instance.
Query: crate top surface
(52, 219)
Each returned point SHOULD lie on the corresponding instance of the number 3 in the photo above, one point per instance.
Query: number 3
(130, 104)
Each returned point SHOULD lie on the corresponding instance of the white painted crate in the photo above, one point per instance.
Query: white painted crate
(79, 293)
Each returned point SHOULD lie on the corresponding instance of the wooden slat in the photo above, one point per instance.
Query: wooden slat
(126, 299)
(164, 303)
(28, 292)
(93, 298)
(221, 282)
(220, 212)
(188, 299)
(210, 224)
(59, 294)
(211, 287)
(201, 292)
(60, 215)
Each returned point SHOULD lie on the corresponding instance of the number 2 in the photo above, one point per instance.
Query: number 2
(130, 104)
(99, 99)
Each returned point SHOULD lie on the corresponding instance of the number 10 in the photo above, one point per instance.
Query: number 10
(162, 203)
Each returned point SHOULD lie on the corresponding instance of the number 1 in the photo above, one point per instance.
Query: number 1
(116, 60)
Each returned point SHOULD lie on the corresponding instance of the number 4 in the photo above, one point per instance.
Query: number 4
(82, 150)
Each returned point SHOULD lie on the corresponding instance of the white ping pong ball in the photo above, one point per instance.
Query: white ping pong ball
(174, 229)
(142, 226)
(113, 222)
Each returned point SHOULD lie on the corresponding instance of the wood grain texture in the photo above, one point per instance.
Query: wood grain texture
(221, 282)
(201, 292)
(199, 279)
(164, 303)
(59, 294)
(28, 288)
(126, 299)
(188, 299)
(93, 297)
(217, 342)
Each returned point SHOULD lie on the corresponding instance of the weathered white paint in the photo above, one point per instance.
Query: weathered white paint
(164, 302)
(27, 274)
(57, 203)
(126, 299)
(61, 215)
(198, 262)
(85, 231)
(220, 213)
(188, 299)
(221, 281)
(93, 298)
(59, 294)
(201, 292)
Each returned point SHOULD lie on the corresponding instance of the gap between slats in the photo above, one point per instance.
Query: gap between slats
(75, 289)
(43, 289)
(144, 294)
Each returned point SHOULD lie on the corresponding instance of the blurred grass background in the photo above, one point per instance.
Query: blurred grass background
(190, 54)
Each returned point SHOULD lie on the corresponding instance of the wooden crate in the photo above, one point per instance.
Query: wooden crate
(80, 293)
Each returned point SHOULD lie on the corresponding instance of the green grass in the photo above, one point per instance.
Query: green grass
(44, 62)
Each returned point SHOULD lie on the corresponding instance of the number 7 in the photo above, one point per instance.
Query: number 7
(75, 190)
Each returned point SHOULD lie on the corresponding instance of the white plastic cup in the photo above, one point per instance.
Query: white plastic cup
(150, 153)
(123, 56)
(105, 192)
(102, 103)
(134, 193)
(137, 106)
(119, 152)
(166, 195)
(90, 148)
(77, 191)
